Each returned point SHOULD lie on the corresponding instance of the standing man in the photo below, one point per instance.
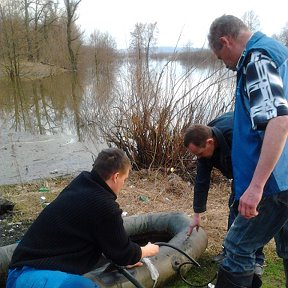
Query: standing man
(259, 147)
(211, 145)
(71, 233)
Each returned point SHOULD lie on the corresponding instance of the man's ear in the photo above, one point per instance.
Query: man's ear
(210, 141)
(224, 40)
(114, 177)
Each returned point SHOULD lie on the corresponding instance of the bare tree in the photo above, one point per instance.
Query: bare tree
(251, 20)
(39, 8)
(54, 38)
(13, 47)
(73, 36)
(143, 39)
(104, 52)
(38, 15)
(27, 29)
(283, 37)
(37, 30)
(104, 58)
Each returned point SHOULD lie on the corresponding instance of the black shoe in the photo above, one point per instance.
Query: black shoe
(257, 282)
(226, 279)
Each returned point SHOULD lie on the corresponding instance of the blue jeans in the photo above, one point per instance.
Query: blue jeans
(28, 277)
(233, 212)
(245, 236)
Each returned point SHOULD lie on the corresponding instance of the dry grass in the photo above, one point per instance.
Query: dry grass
(27, 196)
(144, 192)
(152, 191)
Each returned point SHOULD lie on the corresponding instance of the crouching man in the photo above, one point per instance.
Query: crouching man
(71, 233)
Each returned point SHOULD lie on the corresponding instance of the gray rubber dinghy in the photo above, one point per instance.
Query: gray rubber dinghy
(166, 229)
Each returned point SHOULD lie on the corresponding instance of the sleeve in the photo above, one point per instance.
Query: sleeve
(264, 88)
(115, 243)
(202, 184)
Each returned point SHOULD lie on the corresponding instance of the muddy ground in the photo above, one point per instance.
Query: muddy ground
(25, 157)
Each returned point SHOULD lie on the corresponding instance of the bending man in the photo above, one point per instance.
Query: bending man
(211, 145)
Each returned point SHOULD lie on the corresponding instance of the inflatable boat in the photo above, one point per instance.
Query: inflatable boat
(167, 229)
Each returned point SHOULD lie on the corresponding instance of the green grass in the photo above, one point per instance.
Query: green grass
(197, 276)
(273, 276)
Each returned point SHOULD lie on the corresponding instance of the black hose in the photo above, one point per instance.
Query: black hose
(179, 250)
(129, 276)
(133, 280)
(189, 283)
(193, 262)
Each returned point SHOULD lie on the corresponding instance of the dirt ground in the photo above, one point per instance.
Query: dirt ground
(144, 192)
(171, 193)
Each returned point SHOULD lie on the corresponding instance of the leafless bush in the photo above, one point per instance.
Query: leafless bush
(152, 103)
(152, 106)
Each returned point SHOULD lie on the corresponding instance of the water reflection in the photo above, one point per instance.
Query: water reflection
(69, 102)
(42, 106)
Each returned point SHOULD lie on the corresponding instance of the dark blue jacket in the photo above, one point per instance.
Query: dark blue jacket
(221, 159)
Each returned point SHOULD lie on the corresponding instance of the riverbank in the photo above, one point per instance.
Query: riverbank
(145, 191)
(33, 70)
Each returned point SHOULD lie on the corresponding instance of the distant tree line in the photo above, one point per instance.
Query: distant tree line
(135, 106)
(45, 31)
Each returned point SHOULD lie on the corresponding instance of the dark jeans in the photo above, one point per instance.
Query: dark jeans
(246, 236)
(233, 212)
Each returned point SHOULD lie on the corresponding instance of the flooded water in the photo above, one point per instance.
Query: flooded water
(48, 124)
(42, 107)
(42, 133)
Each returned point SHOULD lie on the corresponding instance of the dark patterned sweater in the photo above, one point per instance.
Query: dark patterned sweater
(72, 232)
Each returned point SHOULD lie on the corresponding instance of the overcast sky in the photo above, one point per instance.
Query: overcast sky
(189, 18)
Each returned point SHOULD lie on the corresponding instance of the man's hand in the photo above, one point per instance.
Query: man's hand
(149, 250)
(138, 264)
(194, 224)
(249, 201)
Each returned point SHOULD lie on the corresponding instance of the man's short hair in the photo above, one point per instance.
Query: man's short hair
(197, 134)
(110, 161)
(226, 25)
